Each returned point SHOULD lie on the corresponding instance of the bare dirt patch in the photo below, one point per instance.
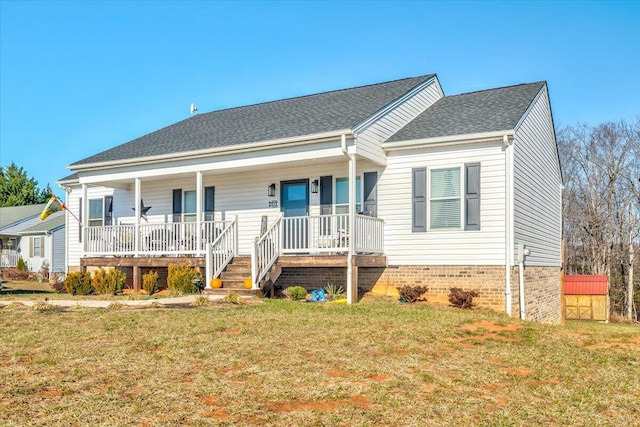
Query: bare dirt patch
(490, 326)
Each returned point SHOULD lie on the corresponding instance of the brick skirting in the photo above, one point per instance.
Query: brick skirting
(542, 284)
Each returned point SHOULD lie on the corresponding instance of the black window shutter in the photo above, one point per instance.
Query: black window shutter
(209, 203)
(80, 222)
(370, 194)
(326, 195)
(108, 210)
(472, 197)
(419, 200)
(177, 205)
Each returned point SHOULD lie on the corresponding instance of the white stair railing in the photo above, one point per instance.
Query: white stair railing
(221, 251)
(264, 253)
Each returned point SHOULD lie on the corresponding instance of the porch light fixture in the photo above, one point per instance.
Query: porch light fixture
(271, 190)
(314, 186)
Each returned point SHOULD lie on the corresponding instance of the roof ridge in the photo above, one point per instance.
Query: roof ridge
(496, 88)
(312, 94)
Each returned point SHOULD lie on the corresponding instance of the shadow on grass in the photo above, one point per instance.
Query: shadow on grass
(9, 291)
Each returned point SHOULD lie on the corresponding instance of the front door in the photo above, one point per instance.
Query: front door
(294, 199)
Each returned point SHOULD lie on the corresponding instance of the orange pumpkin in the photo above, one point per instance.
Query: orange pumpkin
(247, 283)
(216, 283)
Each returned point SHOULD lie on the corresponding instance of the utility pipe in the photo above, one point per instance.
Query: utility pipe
(507, 226)
(523, 251)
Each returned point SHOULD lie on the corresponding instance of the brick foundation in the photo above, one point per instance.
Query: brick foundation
(542, 284)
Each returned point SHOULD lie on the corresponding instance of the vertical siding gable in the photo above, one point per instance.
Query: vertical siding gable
(370, 138)
(537, 185)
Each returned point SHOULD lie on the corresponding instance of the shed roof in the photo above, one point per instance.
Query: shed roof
(286, 118)
(474, 112)
(586, 285)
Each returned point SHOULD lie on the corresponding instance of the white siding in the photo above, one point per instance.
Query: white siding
(242, 193)
(537, 186)
(369, 139)
(457, 247)
(72, 226)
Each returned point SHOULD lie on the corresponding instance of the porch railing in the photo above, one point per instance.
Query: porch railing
(9, 258)
(151, 239)
(265, 252)
(369, 234)
(221, 251)
(331, 233)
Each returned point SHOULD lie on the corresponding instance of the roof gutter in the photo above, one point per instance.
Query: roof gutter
(449, 140)
(235, 149)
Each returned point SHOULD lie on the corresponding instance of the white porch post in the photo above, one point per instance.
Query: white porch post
(84, 216)
(136, 235)
(199, 212)
(352, 288)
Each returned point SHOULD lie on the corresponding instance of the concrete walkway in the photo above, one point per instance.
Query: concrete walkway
(185, 300)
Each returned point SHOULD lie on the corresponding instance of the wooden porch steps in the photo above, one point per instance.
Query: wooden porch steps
(233, 279)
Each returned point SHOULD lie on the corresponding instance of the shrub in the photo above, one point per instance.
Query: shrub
(200, 301)
(150, 282)
(232, 298)
(412, 293)
(78, 283)
(57, 283)
(108, 282)
(182, 279)
(334, 292)
(461, 298)
(43, 307)
(21, 265)
(297, 293)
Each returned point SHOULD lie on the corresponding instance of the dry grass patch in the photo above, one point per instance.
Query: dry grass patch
(285, 363)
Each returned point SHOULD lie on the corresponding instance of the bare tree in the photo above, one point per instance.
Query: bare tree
(601, 206)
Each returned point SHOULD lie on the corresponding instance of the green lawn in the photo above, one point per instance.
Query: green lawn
(276, 362)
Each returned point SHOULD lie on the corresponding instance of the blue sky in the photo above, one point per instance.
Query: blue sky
(77, 78)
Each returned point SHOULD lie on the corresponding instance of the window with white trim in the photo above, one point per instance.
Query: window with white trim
(37, 246)
(342, 195)
(96, 212)
(189, 210)
(445, 198)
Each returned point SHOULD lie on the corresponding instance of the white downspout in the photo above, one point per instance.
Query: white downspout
(84, 217)
(352, 216)
(507, 226)
(523, 251)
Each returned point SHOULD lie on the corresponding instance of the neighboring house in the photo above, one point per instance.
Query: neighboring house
(382, 185)
(22, 234)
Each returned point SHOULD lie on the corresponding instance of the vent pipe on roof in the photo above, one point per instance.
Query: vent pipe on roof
(194, 109)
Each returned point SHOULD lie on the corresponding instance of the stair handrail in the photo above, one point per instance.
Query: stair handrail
(221, 251)
(264, 252)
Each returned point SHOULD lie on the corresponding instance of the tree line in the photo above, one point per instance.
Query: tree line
(601, 206)
(18, 189)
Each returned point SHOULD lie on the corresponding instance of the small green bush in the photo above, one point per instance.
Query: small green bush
(412, 293)
(150, 282)
(201, 301)
(297, 293)
(21, 265)
(461, 298)
(78, 283)
(43, 307)
(182, 279)
(108, 282)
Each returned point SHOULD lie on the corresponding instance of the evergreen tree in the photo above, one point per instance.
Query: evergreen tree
(17, 189)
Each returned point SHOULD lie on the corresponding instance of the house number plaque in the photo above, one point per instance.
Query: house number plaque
(273, 203)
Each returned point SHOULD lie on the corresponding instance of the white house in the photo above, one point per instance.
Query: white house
(372, 187)
(22, 234)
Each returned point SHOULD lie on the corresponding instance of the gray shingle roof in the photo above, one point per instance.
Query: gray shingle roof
(15, 214)
(293, 117)
(54, 221)
(474, 112)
